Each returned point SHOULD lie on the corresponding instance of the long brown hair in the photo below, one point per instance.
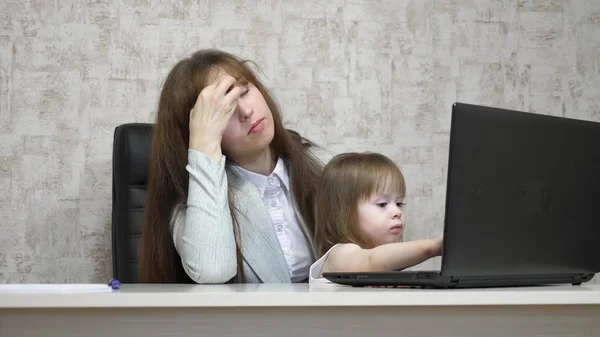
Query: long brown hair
(168, 179)
(348, 179)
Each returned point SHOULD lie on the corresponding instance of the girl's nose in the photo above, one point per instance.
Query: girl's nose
(397, 213)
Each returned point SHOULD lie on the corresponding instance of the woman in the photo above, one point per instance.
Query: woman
(230, 190)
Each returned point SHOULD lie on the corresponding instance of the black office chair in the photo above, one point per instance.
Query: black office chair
(131, 154)
(131, 158)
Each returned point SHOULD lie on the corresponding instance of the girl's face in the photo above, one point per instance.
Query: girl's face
(381, 217)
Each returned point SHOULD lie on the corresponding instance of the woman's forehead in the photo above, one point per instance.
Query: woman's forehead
(217, 73)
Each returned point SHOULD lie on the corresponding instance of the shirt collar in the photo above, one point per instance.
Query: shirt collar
(260, 181)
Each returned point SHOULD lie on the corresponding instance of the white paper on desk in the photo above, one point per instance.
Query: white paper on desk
(54, 288)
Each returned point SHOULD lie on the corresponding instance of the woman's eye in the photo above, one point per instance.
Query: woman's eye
(244, 92)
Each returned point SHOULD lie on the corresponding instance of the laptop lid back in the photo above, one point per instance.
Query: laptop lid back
(523, 194)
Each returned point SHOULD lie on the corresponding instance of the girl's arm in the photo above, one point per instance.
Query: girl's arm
(392, 256)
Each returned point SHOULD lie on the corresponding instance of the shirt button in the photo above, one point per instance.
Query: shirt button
(285, 251)
(273, 203)
(279, 228)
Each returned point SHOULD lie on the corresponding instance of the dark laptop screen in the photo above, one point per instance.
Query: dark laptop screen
(523, 194)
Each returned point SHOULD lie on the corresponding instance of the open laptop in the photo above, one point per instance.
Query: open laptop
(522, 204)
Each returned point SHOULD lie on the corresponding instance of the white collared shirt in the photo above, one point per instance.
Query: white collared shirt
(274, 190)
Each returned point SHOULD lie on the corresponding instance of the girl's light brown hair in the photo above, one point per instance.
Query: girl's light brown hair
(347, 180)
(168, 178)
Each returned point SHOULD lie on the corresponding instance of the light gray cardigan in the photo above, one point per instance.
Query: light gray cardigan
(203, 232)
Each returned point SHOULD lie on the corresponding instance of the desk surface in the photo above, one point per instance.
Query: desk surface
(292, 295)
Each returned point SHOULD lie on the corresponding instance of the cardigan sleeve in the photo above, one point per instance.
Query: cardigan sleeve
(202, 230)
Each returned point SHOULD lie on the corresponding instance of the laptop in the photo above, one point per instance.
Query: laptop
(522, 204)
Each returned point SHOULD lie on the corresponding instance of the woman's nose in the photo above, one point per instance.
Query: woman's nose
(244, 111)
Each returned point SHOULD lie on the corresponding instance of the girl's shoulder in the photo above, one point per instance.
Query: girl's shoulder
(341, 250)
(318, 267)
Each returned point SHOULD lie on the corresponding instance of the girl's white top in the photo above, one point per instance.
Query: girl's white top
(316, 269)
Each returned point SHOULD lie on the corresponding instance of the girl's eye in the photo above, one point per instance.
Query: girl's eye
(244, 93)
(382, 204)
(400, 204)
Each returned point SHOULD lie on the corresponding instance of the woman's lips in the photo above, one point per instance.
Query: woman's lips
(257, 126)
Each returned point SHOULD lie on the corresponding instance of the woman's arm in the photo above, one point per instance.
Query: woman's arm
(203, 231)
(388, 257)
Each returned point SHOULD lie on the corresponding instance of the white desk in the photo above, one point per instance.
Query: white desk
(301, 310)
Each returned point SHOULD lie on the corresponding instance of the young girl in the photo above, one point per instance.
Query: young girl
(359, 218)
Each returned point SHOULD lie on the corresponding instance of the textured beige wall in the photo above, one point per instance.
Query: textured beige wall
(352, 75)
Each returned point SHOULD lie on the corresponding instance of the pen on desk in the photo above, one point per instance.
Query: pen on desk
(114, 284)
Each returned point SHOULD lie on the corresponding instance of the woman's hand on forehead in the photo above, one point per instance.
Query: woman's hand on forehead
(221, 75)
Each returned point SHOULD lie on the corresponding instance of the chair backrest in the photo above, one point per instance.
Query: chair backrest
(131, 161)
(131, 155)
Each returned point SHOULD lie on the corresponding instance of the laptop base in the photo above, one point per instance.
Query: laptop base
(433, 279)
